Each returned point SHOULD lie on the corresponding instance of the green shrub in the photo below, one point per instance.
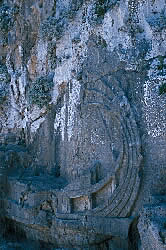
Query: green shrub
(40, 91)
(4, 84)
(53, 27)
(162, 89)
(6, 18)
(101, 42)
(102, 6)
(162, 65)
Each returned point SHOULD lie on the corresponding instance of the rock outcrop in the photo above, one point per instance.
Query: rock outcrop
(83, 124)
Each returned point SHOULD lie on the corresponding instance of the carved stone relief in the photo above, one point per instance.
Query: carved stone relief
(101, 175)
(103, 153)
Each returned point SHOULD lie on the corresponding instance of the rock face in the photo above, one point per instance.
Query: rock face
(83, 124)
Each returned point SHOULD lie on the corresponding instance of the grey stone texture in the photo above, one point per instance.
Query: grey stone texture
(83, 124)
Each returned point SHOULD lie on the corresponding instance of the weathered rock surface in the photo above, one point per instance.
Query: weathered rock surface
(83, 124)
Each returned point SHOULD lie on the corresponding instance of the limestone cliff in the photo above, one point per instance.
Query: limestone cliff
(83, 123)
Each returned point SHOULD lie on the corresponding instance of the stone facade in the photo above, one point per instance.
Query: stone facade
(83, 124)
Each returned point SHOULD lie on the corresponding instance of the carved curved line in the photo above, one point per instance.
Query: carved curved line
(102, 183)
(136, 181)
(127, 209)
(96, 187)
(101, 209)
(119, 193)
(130, 185)
(131, 173)
(126, 190)
(132, 180)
